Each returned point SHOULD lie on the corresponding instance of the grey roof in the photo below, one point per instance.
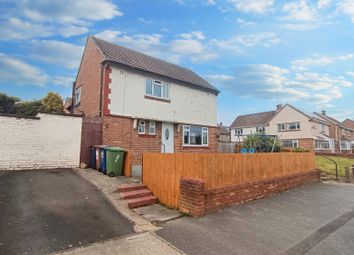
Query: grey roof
(332, 120)
(254, 119)
(223, 130)
(134, 59)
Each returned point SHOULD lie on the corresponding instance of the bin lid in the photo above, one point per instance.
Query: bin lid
(100, 146)
(114, 149)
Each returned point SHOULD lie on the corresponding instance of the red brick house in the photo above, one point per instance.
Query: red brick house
(144, 104)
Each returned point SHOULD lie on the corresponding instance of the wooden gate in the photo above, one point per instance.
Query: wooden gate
(91, 135)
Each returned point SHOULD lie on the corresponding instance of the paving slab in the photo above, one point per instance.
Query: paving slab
(141, 244)
(157, 213)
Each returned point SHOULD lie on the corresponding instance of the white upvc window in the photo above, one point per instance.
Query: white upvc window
(77, 96)
(195, 136)
(322, 145)
(152, 127)
(290, 143)
(290, 126)
(260, 129)
(238, 131)
(157, 89)
(345, 145)
(141, 127)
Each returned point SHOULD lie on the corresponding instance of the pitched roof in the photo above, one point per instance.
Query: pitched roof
(349, 123)
(255, 119)
(131, 58)
(333, 121)
(223, 130)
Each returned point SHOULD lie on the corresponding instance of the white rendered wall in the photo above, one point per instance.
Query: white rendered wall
(53, 141)
(187, 105)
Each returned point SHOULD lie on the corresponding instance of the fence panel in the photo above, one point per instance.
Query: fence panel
(162, 172)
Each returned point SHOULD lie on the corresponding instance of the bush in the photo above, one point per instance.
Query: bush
(262, 143)
(300, 150)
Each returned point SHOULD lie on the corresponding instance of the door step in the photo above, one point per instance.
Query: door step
(135, 193)
(131, 187)
(141, 201)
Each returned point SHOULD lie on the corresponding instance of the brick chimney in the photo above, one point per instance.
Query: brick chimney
(323, 112)
(279, 107)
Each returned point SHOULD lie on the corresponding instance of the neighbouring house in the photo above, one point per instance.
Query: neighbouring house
(224, 134)
(144, 104)
(341, 133)
(350, 123)
(293, 127)
(68, 105)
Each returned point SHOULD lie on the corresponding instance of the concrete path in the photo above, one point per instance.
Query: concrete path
(43, 211)
(140, 244)
(314, 219)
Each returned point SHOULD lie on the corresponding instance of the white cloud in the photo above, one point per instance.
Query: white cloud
(317, 60)
(64, 81)
(347, 7)
(244, 23)
(70, 30)
(56, 53)
(17, 72)
(299, 26)
(272, 82)
(253, 6)
(236, 43)
(350, 74)
(299, 11)
(210, 2)
(14, 29)
(321, 4)
(68, 11)
(186, 46)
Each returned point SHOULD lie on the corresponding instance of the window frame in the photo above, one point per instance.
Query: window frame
(238, 131)
(141, 123)
(77, 93)
(152, 124)
(320, 147)
(293, 142)
(164, 86)
(286, 126)
(347, 148)
(204, 131)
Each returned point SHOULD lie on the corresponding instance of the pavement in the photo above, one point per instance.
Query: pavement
(313, 219)
(44, 211)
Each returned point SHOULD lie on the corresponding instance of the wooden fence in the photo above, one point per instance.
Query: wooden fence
(162, 172)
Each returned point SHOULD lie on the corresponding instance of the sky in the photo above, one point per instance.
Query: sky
(259, 53)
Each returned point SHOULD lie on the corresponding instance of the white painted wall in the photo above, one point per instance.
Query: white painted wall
(187, 105)
(246, 131)
(53, 141)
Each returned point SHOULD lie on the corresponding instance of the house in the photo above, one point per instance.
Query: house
(349, 123)
(144, 104)
(68, 105)
(293, 128)
(342, 134)
(223, 133)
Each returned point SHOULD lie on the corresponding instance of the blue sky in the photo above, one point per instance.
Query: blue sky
(257, 52)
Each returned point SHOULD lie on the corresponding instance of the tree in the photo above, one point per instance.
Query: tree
(29, 108)
(53, 103)
(7, 103)
(262, 143)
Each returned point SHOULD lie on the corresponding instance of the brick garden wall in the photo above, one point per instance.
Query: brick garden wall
(48, 141)
(197, 200)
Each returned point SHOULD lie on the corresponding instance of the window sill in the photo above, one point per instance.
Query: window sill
(158, 99)
(147, 135)
(195, 147)
(282, 131)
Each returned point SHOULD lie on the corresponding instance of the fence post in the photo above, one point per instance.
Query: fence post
(352, 173)
(347, 175)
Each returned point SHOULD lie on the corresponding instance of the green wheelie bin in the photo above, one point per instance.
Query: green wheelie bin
(114, 161)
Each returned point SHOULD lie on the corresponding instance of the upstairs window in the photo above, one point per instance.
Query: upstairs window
(77, 96)
(260, 129)
(238, 131)
(291, 126)
(157, 89)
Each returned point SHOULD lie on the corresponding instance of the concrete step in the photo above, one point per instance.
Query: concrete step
(141, 201)
(136, 193)
(131, 187)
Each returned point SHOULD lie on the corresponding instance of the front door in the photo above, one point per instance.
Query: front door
(167, 134)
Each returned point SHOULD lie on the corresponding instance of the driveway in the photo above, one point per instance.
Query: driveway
(313, 219)
(44, 211)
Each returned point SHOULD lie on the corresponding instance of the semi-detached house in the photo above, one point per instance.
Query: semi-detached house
(293, 128)
(144, 104)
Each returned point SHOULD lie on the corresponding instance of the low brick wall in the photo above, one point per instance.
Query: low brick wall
(197, 200)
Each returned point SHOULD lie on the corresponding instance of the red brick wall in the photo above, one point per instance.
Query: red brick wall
(196, 200)
(89, 78)
(119, 131)
(307, 143)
